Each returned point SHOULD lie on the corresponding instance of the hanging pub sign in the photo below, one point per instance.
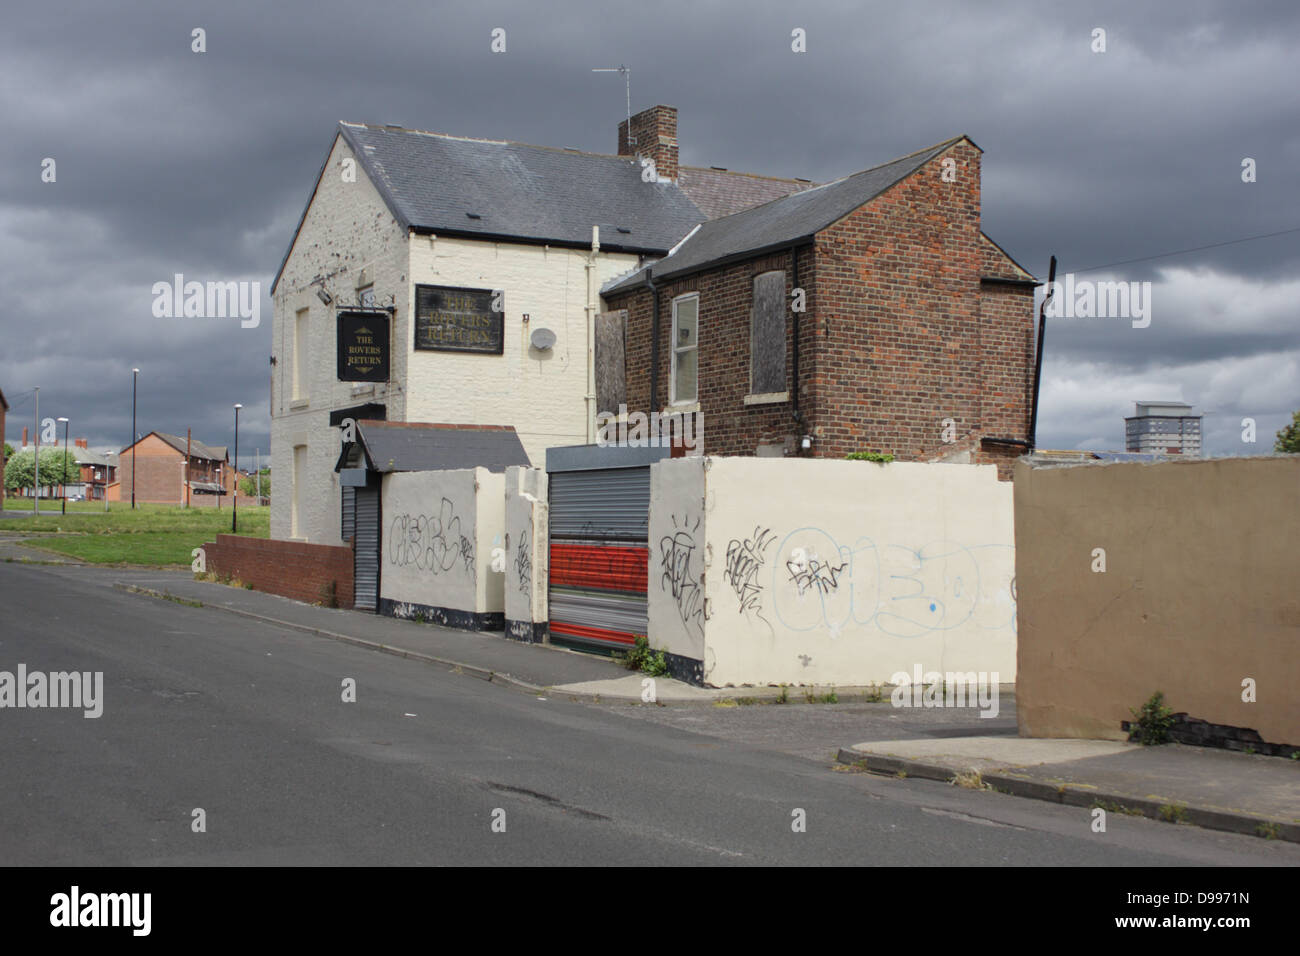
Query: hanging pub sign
(363, 346)
(449, 319)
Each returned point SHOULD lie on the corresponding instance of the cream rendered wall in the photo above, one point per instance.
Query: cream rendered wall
(527, 523)
(540, 393)
(348, 238)
(817, 571)
(440, 535)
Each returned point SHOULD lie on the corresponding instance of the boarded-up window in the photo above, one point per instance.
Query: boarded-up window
(767, 334)
(611, 363)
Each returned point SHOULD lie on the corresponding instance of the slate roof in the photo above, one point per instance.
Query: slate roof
(780, 223)
(722, 192)
(89, 456)
(197, 448)
(420, 446)
(434, 181)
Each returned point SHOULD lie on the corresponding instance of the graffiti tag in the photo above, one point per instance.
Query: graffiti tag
(432, 543)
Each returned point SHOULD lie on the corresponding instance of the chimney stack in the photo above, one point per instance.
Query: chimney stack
(82, 443)
(654, 134)
(24, 436)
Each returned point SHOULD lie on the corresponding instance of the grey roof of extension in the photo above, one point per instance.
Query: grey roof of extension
(434, 181)
(779, 223)
(420, 446)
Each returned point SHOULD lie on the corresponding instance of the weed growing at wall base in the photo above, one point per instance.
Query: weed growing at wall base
(1153, 721)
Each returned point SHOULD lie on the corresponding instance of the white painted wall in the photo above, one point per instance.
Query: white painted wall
(540, 393)
(348, 238)
(440, 530)
(831, 572)
(527, 555)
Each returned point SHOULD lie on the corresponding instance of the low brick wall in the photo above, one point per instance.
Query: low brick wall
(294, 569)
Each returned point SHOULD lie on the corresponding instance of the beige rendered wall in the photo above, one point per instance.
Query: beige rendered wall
(844, 572)
(439, 533)
(1201, 590)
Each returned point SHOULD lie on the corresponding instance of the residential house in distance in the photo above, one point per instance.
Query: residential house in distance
(98, 471)
(161, 474)
(1163, 428)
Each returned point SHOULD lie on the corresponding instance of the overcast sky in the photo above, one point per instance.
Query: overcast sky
(173, 161)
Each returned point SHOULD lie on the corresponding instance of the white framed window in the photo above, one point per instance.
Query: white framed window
(684, 385)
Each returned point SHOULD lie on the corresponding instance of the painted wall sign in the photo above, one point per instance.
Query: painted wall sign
(363, 347)
(451, 319)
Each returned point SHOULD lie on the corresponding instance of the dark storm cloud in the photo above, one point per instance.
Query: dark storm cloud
(171, 161)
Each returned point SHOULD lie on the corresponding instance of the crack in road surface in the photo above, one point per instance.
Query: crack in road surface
(545, 798)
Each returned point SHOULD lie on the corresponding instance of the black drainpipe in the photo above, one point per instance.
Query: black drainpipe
(654, 342)
(1038, 357)
(794, 396)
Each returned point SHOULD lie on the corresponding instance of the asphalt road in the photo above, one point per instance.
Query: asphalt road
(206, 710)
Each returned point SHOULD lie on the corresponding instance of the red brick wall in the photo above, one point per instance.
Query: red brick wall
(655, 132)
(730, 426)
(899, 334)
(293, 569)
(159, 471)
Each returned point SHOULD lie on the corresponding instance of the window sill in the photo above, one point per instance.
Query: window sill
(767, 398)
(298, 403)
(683, 407)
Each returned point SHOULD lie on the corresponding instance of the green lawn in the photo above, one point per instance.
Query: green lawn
(151, 534)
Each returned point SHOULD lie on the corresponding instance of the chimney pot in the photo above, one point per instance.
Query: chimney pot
(653, 134)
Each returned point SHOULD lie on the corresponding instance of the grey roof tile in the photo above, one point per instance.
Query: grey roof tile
(537, 193)
(419, 446)
(780, 222)
(722, 192)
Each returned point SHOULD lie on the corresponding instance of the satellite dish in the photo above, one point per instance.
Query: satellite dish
(542, 339)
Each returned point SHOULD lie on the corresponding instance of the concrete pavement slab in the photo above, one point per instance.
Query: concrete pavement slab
(1217, 789)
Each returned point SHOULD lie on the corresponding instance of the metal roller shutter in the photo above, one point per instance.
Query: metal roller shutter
(366, 556)
(599, 556)
(348, 522)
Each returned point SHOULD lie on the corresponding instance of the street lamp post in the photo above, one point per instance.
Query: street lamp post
(36, 461)
(63, 478)
(135, 375)
(234, 507)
